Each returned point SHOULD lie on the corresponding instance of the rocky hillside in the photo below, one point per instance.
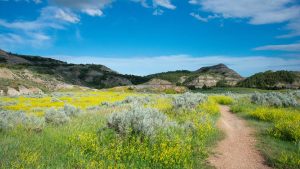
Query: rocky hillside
(22, 74)
(273, 80)
(34, 72)
(217, 75)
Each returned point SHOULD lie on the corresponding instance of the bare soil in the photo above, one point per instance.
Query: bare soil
(237, 150)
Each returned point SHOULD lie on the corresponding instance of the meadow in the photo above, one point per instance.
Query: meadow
(276, 117)
(109, 129)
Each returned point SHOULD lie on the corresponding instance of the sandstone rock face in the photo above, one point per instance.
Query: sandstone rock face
(2, 93)
(211, 81)
(212, 75)
(27, 91)
(158, 82)
(23, 91)
(157, 85)
(220, 69)
(12, 92)
(7, 74)
(204, 80)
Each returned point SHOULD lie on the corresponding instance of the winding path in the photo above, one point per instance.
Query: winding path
(237, 150)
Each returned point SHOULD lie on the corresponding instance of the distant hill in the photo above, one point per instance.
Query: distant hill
(273, 80)
(217, 75)
(171, 76)
(21, 74)
(220, 69)
(57, 72)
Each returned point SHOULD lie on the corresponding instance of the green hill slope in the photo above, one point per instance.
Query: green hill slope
(273, 80)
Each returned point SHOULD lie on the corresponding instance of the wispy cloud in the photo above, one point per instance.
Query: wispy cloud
(198, 17)
(37, 40)
(35, 33)
(156, 4)
(158, 12)
(164, 3)
(147, 65)
(256, 11)
(295, 47)
(90, 7)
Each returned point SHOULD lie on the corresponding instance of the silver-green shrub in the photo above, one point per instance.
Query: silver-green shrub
(137, 120)
(10, 119)
(296, 93)
(188, 100)
(134, 99)
(71, 110)
(274, 99)
(56, 117)
(34, 123)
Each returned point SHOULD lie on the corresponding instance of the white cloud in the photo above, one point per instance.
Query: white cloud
(143, 3)
(294, 28)
(93, 12)
(198, 17)
(55, 14)
(35, 33)
(257, 12)
(147, 65)
(164, 3)
(35, 1)
(156, 4)
(90, 7)
(158, 12)
(11, 41)
(288, 47)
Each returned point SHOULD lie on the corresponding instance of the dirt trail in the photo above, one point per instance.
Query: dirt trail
(237, 150)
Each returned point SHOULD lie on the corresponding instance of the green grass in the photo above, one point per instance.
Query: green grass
(85, 142)
(235, 90)
(279, 152)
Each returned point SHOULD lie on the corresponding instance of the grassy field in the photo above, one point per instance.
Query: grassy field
(169, 131)
(235, 90)
(278, 131)
(107, 129)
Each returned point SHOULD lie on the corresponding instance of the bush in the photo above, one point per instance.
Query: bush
(288, 129)
(10, 119)
(267, 114)
(286, 122)
(34, 123)
(56, 117)
(71, 111)
(137, 120)
(274, 99)
(188, 100)
(224, 100)
(241, 106)
(210, 107)
(296, 93)
(133, 99)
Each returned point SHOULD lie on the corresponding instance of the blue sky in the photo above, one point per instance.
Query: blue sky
(147, 36)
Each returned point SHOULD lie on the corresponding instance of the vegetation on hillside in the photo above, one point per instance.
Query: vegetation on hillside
(89, 75)
(269, 80)
(2, 60)
(171, 76)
